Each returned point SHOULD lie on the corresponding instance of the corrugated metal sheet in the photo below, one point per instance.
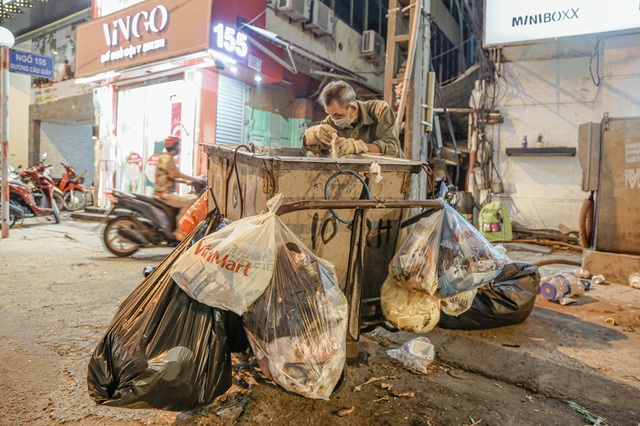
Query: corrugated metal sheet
(230, 111)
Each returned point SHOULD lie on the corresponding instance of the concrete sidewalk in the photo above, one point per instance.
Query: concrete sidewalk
(587, 352)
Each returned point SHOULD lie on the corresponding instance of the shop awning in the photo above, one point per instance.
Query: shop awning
(311, 60)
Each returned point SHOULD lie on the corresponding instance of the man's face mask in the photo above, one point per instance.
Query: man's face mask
(348, 119)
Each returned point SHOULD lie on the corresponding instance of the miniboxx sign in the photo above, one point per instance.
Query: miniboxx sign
(511, 22)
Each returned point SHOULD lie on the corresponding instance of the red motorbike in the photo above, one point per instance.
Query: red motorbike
(38, 177)
(26, 201)
(71, 185)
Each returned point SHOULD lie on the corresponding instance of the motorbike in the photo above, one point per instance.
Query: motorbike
(146, 222)
(74, 194)
(14, 172)
(25, 201)
(38, 177)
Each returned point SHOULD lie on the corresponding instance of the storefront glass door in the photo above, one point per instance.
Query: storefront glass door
(146, 115)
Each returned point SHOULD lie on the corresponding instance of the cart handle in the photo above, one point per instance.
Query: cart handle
(356, 204)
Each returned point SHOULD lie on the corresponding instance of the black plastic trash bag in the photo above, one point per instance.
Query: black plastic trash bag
(163, 349)
(507, 300)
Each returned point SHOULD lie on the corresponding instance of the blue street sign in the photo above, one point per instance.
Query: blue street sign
(28, 63)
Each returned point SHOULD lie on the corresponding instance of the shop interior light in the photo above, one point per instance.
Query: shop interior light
(98, 77)
(164, 67)
(221, 56)
(257, 78)
(233, 69)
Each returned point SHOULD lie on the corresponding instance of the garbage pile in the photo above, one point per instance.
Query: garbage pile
(439, 272)
(252, 283)
(169, 345)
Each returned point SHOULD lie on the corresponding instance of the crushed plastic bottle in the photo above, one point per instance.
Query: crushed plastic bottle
(563, 286)
(581, 273)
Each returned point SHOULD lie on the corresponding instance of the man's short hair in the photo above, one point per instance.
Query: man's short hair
(338, 91)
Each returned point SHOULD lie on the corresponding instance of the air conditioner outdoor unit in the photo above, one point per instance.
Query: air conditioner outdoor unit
(372, 46)
(321, 21)
(297, 10)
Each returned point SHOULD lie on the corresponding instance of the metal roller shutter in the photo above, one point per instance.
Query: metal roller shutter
(230, 112)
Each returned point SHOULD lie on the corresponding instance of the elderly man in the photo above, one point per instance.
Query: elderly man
(359, 126)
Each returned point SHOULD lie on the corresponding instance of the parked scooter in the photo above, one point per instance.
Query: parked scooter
(149, 222)
(14, 172)
(71, 186)
(25, 202)
(38, 177)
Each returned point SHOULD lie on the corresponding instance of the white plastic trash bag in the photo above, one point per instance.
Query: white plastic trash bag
(297, 328)
(458, 303)
(415, 265)
(466, 260)
(415, 355)
(232, 267)
(409, 310)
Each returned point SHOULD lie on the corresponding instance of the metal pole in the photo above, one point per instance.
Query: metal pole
(4, 137)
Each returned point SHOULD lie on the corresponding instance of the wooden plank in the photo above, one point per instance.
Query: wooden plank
(390, 66)
(546, 235)
(615, 267)
(527, 247)
(402, 41)
(418, 84)
(405, 112)
(617, 202)
(551, 150)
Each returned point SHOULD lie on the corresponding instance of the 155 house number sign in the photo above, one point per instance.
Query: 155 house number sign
(229, 39)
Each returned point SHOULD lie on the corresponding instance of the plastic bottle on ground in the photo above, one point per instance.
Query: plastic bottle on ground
(562, 286)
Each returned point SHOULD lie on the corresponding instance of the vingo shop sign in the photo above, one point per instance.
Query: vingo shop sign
(123, 29)
(509, 21)
(146, 32)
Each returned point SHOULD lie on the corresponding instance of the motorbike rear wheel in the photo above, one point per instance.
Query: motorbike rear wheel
(56, 212)
(115, 242)
(12, 220)
(58, 199)
(74, 200)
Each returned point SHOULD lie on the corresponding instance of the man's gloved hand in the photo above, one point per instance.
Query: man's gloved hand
(316, 136)
(348, 146)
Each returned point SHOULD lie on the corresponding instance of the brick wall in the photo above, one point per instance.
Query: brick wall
(68, 144)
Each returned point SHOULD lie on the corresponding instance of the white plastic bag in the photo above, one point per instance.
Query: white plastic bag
(458, 303)
(297, 328)
(415, 355)
(231, 268)
(415, 265)
(466, 260)
(409, 310)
